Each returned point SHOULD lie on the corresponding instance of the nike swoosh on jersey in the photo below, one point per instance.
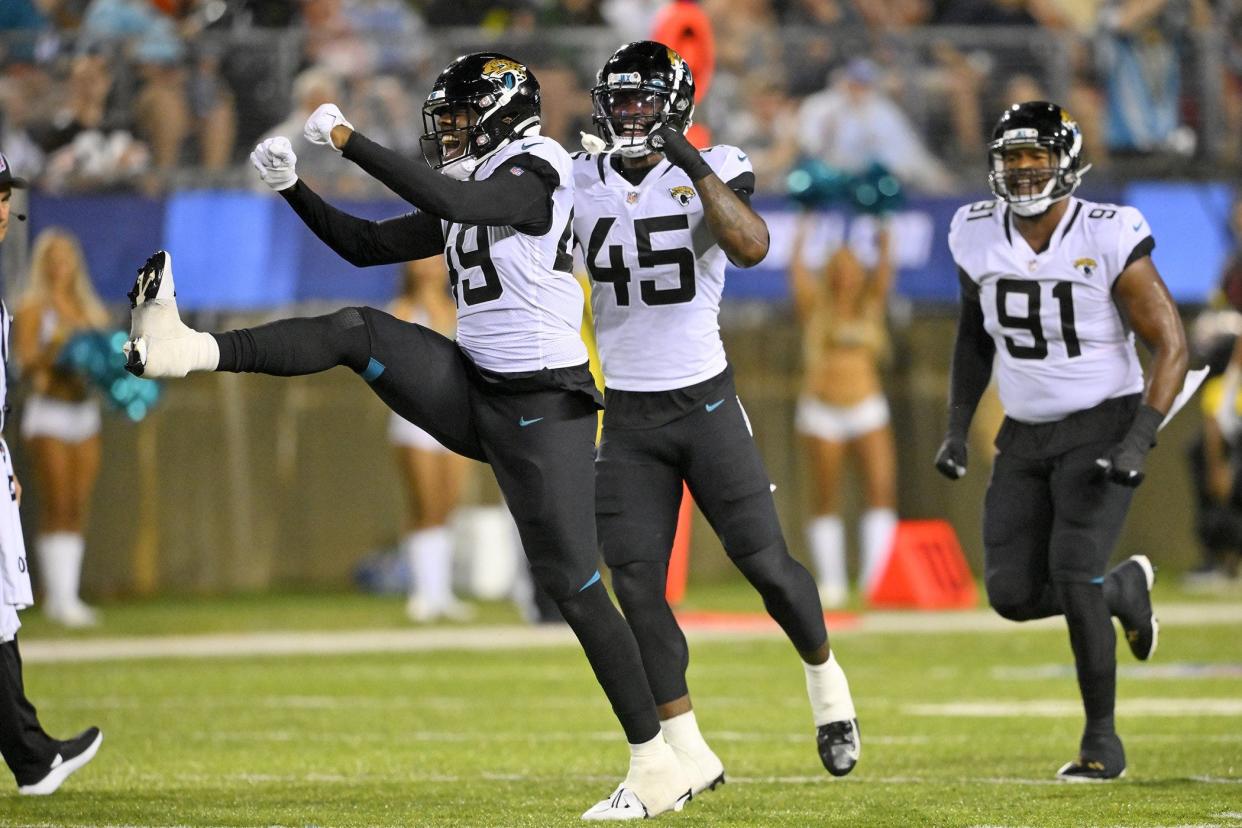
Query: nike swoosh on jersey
(528, 145)
(1137, 226)
(523, 422)
(713, 406)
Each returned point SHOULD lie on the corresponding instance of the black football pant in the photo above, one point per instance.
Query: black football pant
(639, 477)
(538, 439)
(1050, 522)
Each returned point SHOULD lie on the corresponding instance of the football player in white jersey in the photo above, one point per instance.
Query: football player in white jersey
(39, 762)
(657, 221)
(514, 390)
(1056, 287)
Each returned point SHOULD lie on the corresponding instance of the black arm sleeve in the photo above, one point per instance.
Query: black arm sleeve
(744, 186)
(1143, 248)
(972, 360)
(520, 201)
(362, 242)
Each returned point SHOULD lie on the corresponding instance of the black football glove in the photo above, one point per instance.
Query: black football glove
(951, 459)
(670, 142)
(1123, 463)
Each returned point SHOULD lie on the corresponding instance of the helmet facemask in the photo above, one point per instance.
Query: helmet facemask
(1031, 191)
(627, 111)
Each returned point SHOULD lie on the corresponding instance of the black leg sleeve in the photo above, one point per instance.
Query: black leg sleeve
(789, 594)
(613, 654)
(26, 748)
(640, 590)
(292, 347)
(1094, 642)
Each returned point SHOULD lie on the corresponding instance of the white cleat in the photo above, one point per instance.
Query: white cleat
(160, 344)
(652, 787)
(704, 769)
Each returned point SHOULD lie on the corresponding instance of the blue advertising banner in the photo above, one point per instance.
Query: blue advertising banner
(245, 250)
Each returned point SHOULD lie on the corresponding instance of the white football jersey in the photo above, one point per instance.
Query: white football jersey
(1062, 342)
(6, 324)
(657, 272)
(519, 307)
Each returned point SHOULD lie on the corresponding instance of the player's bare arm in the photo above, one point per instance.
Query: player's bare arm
(741, 233)
(1144, 300)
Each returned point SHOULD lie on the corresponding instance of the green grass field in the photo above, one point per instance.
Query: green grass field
(959, 728)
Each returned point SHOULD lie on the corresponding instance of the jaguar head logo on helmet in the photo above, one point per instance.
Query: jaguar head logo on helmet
(478, 104)
(1035, 157)
(643, 85)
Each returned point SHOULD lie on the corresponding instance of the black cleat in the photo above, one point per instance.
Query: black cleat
(839, 746)
(148, 282)
(71, 755)
(1132, 582)
(1099, 760)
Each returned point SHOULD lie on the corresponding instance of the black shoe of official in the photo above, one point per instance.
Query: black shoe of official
(839, 746)
(70, 755)
(1133, 580)
(1100, 759)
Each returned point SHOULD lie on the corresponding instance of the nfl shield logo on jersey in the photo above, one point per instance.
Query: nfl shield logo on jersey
(631, 197)
(682, 193)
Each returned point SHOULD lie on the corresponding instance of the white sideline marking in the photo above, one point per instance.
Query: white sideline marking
(513, 636)
(1166, 707)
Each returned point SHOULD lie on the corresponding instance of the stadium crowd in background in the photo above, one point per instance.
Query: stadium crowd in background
(154, 95)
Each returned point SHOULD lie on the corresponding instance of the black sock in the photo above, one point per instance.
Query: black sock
(292, 347)
(26, 748)
(789, 594)
(1094, 642)
(640, 590)
(613, 654)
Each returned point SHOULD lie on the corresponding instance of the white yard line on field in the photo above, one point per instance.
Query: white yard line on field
(719, 626)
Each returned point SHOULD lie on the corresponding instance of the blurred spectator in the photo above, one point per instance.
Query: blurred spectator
(571, 13)
(1138, 50)
(762, 128)
(60, 417)
(566, 104)
(88, 145)
(23, 23)
(999, 13)
(842, 308)
(317, 166)
(432, 474)
(1215, 465)
(19, 94)
(852, 124)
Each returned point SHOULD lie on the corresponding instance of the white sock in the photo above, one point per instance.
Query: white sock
(204, 351)
(826, 535)
(682, 733)
(877, 529)
(654, 749)
(828, 691)
(60, 561)
(430, 554)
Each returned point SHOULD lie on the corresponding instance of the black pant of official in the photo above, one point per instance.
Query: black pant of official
(26, 748)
